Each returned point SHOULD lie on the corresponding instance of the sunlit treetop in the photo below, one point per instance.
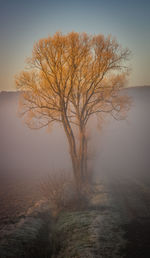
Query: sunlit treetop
(74, 75)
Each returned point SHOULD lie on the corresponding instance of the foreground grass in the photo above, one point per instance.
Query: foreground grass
(74, 234)
(94, 232)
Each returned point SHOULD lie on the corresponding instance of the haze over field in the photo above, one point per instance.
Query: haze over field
(121, 147)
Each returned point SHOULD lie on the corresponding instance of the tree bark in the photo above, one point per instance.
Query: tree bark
(83, 155)
(78, 157)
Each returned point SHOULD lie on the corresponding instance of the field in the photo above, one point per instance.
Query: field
(16, 197)
(123, 212)
(132, 198)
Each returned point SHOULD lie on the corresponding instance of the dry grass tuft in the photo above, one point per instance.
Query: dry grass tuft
(59, 189)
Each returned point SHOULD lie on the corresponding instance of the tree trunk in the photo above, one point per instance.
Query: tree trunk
(79, 162)
(73, 152)
(78, 158)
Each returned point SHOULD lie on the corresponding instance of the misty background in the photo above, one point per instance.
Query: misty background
(119, 147)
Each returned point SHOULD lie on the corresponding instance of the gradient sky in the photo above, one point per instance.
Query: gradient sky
(24, 22)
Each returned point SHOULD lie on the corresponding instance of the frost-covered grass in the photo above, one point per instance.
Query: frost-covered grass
(30, 236)
(91, 231)
(95, 232)
(74, 232)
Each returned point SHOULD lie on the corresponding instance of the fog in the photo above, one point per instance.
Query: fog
(25, 151)
(123, 147)
(120, 147)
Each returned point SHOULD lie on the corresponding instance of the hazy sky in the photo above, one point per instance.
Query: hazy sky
(24, 22)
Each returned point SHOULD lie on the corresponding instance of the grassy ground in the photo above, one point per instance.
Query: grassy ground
(30, 236)
(95, 232)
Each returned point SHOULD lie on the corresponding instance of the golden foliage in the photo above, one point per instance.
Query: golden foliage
(74, 74)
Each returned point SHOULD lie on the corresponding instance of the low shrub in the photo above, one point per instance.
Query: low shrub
(60, 190)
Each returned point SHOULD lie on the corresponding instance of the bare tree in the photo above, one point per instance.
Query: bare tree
(69, 79)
